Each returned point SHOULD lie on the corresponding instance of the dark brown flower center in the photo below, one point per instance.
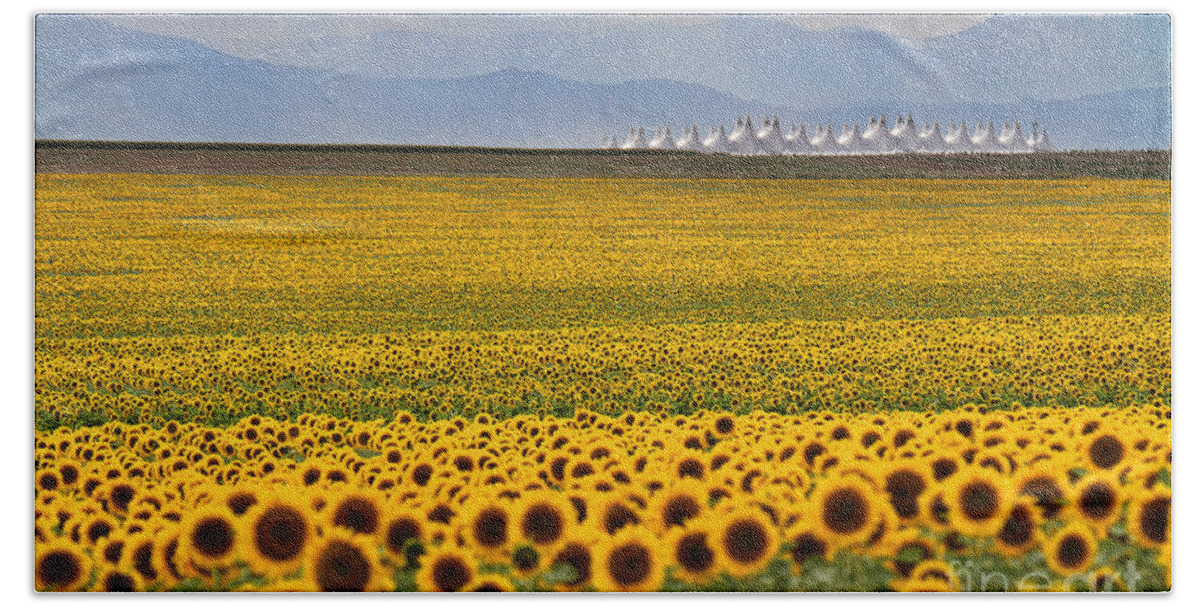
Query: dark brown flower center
(746, 541)
(280, 533)
(450, 573)
(542, 524)
(629, 564)
(978, 501)
(845, 511)
(341, 567)
(213, 537)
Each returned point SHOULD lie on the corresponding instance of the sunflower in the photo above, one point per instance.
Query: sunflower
(113, 579)
(275, 534)
(693, 553)
(357, 511)
(904, 483)
(689, 465)
(525, 560)
(879, 543)
(803, 543)
(344, 561)
(677, 504)
(400, 527)
(489, 530)
(1046, 486)
(1071, 550)
(139, 556)
(209, 539)
(1106, 451)
(745, 539)
(111, 549)
(846, 510)
(97, 527)
(544, 518)
(629, 561)
(60, 566)
(1021, 530)
(1149, 519)
(978, 499)
(68, 473)
(1097, 500)
(446, 569)
(724, 425)
(908, 549)
(578, 552)
(239, 500)
(1105, 579)
(47, 481)
(168, 559)
(117, 495)
(614, 511)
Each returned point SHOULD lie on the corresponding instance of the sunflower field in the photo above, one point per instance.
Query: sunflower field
(259, 383)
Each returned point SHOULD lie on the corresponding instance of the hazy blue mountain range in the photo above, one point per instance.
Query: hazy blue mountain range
(95, 80)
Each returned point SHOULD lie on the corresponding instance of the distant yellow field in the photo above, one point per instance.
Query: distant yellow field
(124, 255)
(779, 366)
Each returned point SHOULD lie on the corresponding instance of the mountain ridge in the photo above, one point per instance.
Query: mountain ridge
(162, 88)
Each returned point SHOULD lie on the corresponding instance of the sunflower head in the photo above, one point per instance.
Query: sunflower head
(932, 575)
(846, 510)
(445, 569)
(744, 537)
(978, 500)
(1097, 500)
(630, 560)
(275, 534)
(1021, 530)
(489, 529)
(1149, 519)
(113, 579)
(360, 512)
(675, 505)
(60, 566)
(209, 538)
(344, 561)
(1071, 550)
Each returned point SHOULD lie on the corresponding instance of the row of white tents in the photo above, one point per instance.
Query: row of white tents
(876, 138)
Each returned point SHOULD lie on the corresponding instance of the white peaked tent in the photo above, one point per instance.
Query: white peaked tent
(1031, 140)
(798, 141)
(1043, 143)
(690, 140)
(1013, 139)
(932, 140)
(878, 138)
(636, 139)
(958, 139)
(904, 136)
(717, 140)
(824, 141)
(851, 140)
(771, 139)
(986, 140)
(663, 140)
(744, 139)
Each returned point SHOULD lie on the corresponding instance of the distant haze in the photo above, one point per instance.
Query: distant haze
(1094, 81)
